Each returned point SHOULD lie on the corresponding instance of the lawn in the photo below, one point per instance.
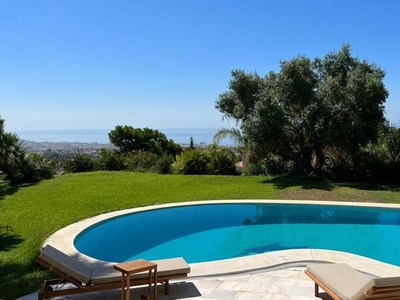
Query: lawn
(29, 214)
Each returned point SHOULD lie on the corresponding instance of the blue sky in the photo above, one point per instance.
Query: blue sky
(95, 64)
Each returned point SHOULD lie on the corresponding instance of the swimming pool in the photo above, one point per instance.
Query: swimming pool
(209, 232)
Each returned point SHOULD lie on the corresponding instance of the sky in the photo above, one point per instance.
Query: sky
(95, 64)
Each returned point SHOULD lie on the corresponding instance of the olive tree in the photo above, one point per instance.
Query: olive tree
(308, 107)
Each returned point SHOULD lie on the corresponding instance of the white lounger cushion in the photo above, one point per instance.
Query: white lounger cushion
(349, 284)
(376, 285)
(66, 264)
(341, 279)
(84, 273)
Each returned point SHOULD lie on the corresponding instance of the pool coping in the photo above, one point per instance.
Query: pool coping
(63, 239)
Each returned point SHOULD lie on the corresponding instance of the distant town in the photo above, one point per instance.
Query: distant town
(76, 147)
(39, 147)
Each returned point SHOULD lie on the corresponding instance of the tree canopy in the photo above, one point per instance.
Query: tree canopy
(130, 139)
(308, 107)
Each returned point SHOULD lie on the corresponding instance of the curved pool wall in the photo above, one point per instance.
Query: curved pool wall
(64, 240)
(212, 231)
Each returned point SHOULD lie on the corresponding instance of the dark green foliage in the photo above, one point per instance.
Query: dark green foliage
(197, 165)
(338, 168)
(3, 184)
(80, 163)
(308, 108)
(275, 165)
(381, 160)
(164, 164)
(130, 139)
(143, 150)
(272, 165)
(374, 169)
(191, 143)
(12, 155)
(377, 162)
(37, 167)
(234, 134)
(17, 164)
(111, 160)
(222, 161)
(255, 168)
(141, 161)
(192, 162)
(136, 161)
(213, 160)
(387, 147)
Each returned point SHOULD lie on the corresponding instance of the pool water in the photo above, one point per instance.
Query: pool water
(210, 232)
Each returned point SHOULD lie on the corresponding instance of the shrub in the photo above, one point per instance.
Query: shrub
(337, 167)
(111, 160)
(255, 168)
(141, 161)
(164, 164)
(12, 155)
(192, 162)
(3, 184)
(376, 168)
(37, 167)
(222, 161)
(80, 163)
(275, 165)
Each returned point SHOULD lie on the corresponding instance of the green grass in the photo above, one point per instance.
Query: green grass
(30, 214)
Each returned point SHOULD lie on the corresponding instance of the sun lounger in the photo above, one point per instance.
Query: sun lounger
(85, 279)
(342, 282)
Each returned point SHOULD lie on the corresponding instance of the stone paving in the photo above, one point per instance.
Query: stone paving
(231, 279)
(286, 284)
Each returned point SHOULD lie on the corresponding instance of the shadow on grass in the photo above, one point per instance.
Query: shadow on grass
(18, 279)
(371, 186)
(283, 182)
(15, 188)
(306, 183)
(8, 240)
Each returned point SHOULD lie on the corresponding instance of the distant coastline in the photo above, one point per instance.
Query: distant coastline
(201, 136)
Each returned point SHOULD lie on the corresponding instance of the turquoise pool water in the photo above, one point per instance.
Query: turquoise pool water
(210, 232)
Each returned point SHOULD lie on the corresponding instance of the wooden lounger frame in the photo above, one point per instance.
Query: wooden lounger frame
(318, 284)
(47, 291)
(386, 293)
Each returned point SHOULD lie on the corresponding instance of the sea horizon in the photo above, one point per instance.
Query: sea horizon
(178, 135)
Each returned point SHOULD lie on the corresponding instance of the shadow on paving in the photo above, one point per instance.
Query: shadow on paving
(178, 290)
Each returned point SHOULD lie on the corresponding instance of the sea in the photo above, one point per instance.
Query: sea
(179, 136)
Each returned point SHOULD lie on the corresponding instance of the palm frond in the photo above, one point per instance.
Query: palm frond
(232, 133)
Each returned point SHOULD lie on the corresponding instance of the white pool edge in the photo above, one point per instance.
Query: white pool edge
(64, 238)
